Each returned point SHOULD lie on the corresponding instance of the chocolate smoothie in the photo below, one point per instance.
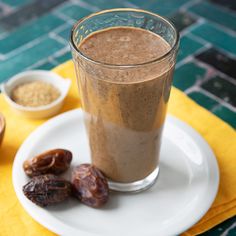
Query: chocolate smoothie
(125, 107)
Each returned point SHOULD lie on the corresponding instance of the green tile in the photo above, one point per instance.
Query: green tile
(188, 46)
(45, 66)
(182, 20)
(1, 32)
(221, 88)
(215, 107)
(29, 32)
(74, 11)
(203, 100)
(65, 33)
(65, 57)
(107, 4)
(226, 115)
(216, 36)
(232, 230)
(215, 13)
(16, 3)
(17, 63)
(187, 75)
(27, 13)
(163, 7)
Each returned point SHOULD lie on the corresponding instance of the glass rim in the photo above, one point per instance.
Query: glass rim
(97, 62)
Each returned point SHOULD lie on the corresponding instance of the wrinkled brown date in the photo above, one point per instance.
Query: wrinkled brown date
(45, 190)
(54, 162)
(90, 185)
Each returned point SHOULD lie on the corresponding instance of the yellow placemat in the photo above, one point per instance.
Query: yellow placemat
(221, 137)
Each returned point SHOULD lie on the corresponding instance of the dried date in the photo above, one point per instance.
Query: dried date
(45, 190)
(54, 162)
(90, 185)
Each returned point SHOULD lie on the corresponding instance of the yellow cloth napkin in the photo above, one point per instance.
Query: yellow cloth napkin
(221, 137)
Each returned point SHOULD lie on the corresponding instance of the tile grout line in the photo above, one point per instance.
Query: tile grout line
(67, 19)
(225, 233)
(3, 35)
(7, 9)
(226, 77)
(219, 100)
(188, 30)
(210, 72)
(62, 5)
(50, 58)
(186, 5)
(204, 64)
(2, 57)
(221, 8)
(28, 45)
(86, 5)
(191, 57)
(229, 10)
(130, 4)
(61, 28)
(57, 38)
(186, 60)
(224, 9)
(210, 95)
(221, 73)
(6, 34)
(228, 54)
(203, 41)
(199, 39)
(25, 47)
(61, 52)
(39, 63)
(223, 28)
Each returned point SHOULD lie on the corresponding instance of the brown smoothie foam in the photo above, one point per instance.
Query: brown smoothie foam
(125, 107)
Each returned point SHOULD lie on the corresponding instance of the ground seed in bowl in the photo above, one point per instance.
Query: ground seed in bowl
(35, 94)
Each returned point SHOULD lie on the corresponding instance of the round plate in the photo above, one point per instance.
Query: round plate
(184, 191)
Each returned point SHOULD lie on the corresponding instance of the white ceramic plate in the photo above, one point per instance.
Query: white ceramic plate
(184, 191)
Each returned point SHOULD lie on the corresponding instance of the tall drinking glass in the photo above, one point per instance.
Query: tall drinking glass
(124, 105)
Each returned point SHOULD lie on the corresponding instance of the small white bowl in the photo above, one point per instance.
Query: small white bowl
(51, 109)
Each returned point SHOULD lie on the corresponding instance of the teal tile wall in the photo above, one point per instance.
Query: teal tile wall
(188, 75)
(45, 66)
(31, 55)
(188, 46)
(215, 13)
(74, 11)
(230, 117)
(34, 35)
(181, 19)
(163, 7)
(104, 4)
(65, 33)
(221, 88)
(203, 100)
(62, 58)
(16, 3)
(217, 36)
(29, 32)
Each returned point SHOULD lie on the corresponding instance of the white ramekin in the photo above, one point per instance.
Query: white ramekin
(51, 109)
